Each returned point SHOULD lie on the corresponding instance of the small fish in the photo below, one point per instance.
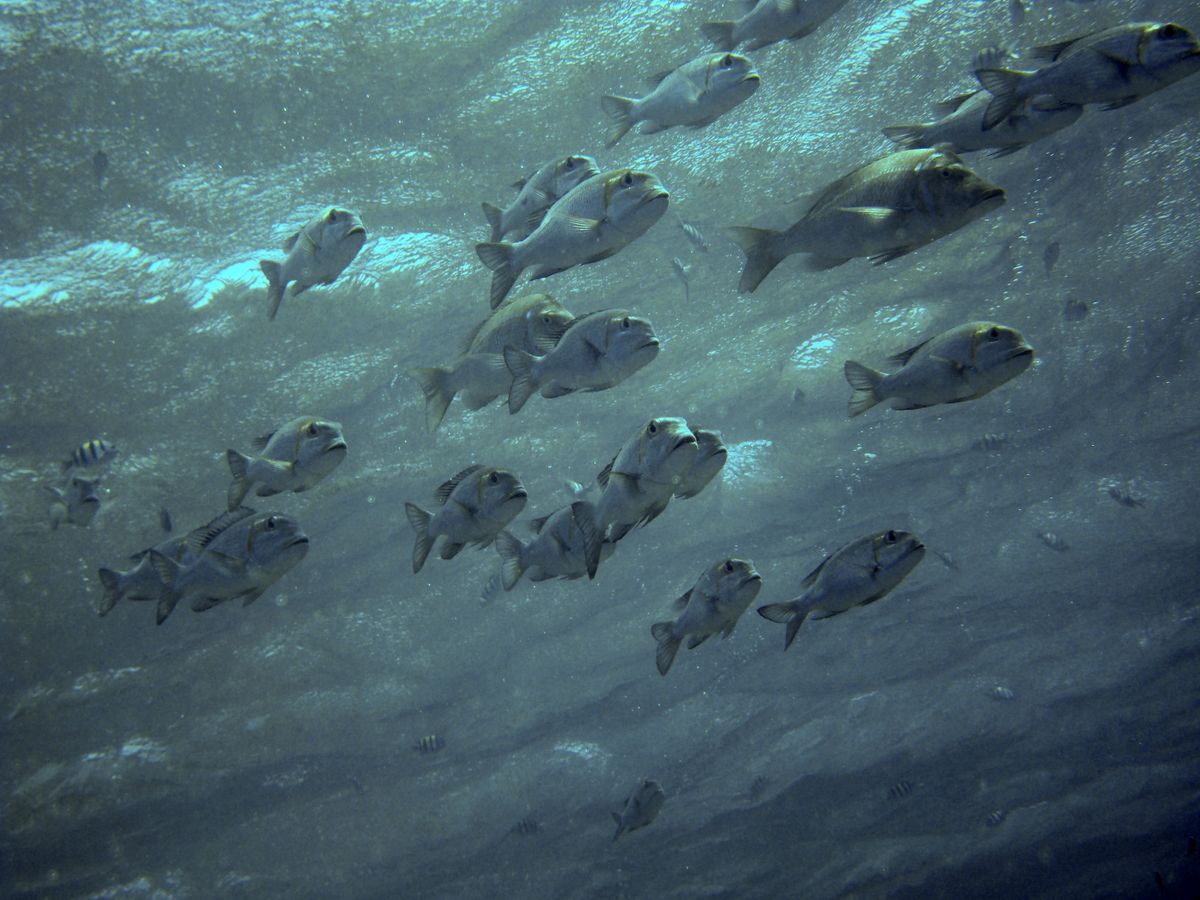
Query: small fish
(995, 817)
(861, 572)
(100, 168)
(961, 364)
(578, 491)
(537, 193)
(947, 560)
(294, 457)
(711, 456)
(1125, 496)
(693, 234)
(527, 827)
(714, 604)
(640, 809)
(164, 520)
(316, 254)
(899, 790)
(681, 272)
(769, 21)
(358, 786)
(558, 551)
(1016, 12)
(92, 454)
(1050, 256)
(758, 787)
(477, 504)
(142, 582)
(1053, 541)
(76, 503)
(1000, 692)
(695, 95)
(1076, 310)
(430, 743)
(992, 441)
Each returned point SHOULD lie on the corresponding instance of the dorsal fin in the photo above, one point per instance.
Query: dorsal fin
(519, 183)
(1051, 52)
(680, 603)
(204, 535)
(474, 332)
(539, 523)
(606, 472)
(658, 78)
(951, 104)
(442, 494)
(811, 577)
(259, 444)
(291, 242)
(902, 358)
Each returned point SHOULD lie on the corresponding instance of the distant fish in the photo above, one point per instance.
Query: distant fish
(758, 787)
(699, 241)
(294, 457)
(76, 503)
(995, 817)
(476, 505)
(527, 827)
(430, 743)
(767, 22)
(681, 271)
(992, 441)
(90, 455)
(100, 168)
(899, 790)
(1053, 541)
(640, 809)
(947, 560)
(1076, 310)
(1051, 254)
(316, 254)
(164, 520)
(1016, 12)
(578, 491)
(1000, 692)
(1125, 496)
(713, 605)
(558, 551)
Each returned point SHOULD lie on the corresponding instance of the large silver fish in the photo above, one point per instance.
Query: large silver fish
(641, 808)
(961, 364)
(714, 604)
(316, 254)
(598, 351)
(884, 210)
(533, 323)
(768, 21)
(559, 550)
(537, 194)
(75, 503)
(294, 457)
(1115, 67)
(477, 504)
(859, 573)
(593, 221)
(695, 95)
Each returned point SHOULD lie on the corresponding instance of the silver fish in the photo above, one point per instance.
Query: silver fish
(693, 234)
(859, 573)
(682, 271)
(1050, 256)
(1076, 310)
(93, 454)
(316, 254)
(294, 457)
(641, 808)
(558, 551)
(593, 221)
(533, 323)
(883, 211)
(597, 352)
(714, 604)
(75, 503)
(768, 21)
(100, 168)
(477, 504)
(961, 364)
(695, 95)
(537, 193)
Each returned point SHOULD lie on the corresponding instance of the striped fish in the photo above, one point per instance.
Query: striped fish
(430, 743)
(89, 454)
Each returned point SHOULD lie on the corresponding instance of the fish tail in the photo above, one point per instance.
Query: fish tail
(275, 285)
(790, 613)
(907, 136)
(438, 391)
(761, 257)
(620, 827)
(112, 590)
(668, 646)
(419, 519)
(238, 464)
(586, 518)
(167, 570)
(520, 365)
(494, 215)
(509, 547)
(1005, 87)
(620, 110)
(720, 33)
(865, 382)
(498, 256)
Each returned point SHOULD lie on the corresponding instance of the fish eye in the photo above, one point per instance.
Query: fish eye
(312, 429)
(546, 319)
(333, 216)
(271, 523)
(653, 429)
(494, 478)
(729, 565)
(625, 322)
(570, 164)
(1170, 31)
(994, 334)
(628, 179)
(890, 537)
(727, 60)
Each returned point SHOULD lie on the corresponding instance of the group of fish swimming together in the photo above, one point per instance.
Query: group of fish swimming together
(569, 213)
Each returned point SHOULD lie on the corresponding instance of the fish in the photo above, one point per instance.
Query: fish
(693, 234)
(237, 555)
(1076, 310)
(961, 364)
(92, 454)
(682, 271)
(695, 95)
(537, 193)
(711, 456)
(1050, 256)
(883, 210)
(593, 221)
(294, 457)
(477, 504)
(316, 254)
(713, 605)
(534, 323)
(164, 520)
(578, 491)
(527, 827)
(559, 549)
(100, 168)
(992, 441)
(995, 817)
(598, 351)
(641, 808)
(640, 481)
(1124, 495)
(1000, 692)
(75, 503)
(900, 790)
(767, 22)
(1053, 541)
(430, 743)
(758, 787)
(142, 582)
(861, 572)
(1114, 67)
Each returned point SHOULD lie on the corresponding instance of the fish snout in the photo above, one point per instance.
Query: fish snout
(517, 493)
(683, 441)
(996, 193)
(338, 444)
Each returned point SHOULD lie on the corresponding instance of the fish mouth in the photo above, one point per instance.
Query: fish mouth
(357, 229)
(298, 539)
(517, 494)
(1019, 352)
(689, 439)
(991, 195)
(655, 193)
(753, 76)
(653, 342)
(750, 578)
(336, 445)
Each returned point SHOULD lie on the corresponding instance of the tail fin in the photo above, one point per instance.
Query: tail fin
(167, 570)
(498, 256)
(520, 365)
(275, 285)
(720, 33)
(620, 827)
(907, 136)
(668, 646)
(112, 590)
(509, 547)
(785, 612)
(435, 385)
(759, 246)
(1004, 86)
(495, 217)
(585, 515)
(864, 380)
(419, 519)
(620, 110)
(241, 484)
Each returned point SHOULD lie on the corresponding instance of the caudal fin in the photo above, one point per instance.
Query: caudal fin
(1004, 86)
(494, 216)
(668, 646)
(438, 391)
(520, 366)
(720, 33)
(620, 110)
(241, 483)
(864, 380)
(112, 590)
(167, 570)
(419, 519)
(498, 256)
(759, 246)
(907, 136)
(509, 547)
(785, 612)
(275, 285)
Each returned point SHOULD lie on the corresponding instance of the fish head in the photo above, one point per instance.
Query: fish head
(953, 192)
(895, 553)
(630, 341)
(545, 323)
(633, 201)
(1168, 51)
(275, 543)
(500, 496)
(998, 353)
(731, 74)
(648, 799)
(666, 449)
(711, 455)
(736, 582)
(340, 233)
(319, 444)
(573, 170)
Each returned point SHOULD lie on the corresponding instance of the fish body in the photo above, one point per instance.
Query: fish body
(770, 21)
(75, 503)
(100, 168)
(961, 364)
(598, 351)
(1050, 256)
(641, 808)
(316, 254)
(713, 605)
(883, 210)
(238, 555)
(477, 504)
(559, 550)
(861, 572)
(430, 743)
(537, 193)
(533, 324)
(142, 582)
(1114, 67)
(694, 95)
(91, 455)
(294, 457)
(593, 221)
(710, 459)
(682, 271)
(695, 235)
